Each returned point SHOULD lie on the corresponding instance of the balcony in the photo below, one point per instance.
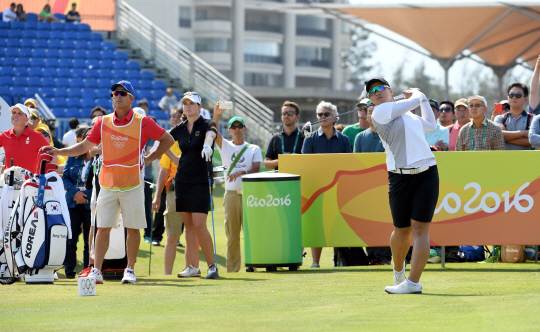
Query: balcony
(312, 32)
(313, 63)
(262, 59)
(264, 27)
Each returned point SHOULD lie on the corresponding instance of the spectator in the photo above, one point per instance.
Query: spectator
(289, 140)
(340, 128)
(143, 103)
(205, 113)
(463, 117)
(70, 138)
(505, 109)
(168, 101)
(46, 16)
(73, 14)
(164, 201)
(515, 124)
(51, 125)
(446, 113)
(240, 158)
(438, 140)
(369, 141)
(60, 161)
(9, 14)
(96, 112)
(353, 130)
(325, 140)
(485, 134)
(21, 14)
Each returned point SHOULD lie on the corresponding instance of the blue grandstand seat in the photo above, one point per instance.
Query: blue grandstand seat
(41, 43)
(13, 34)
(133, 75)
(52, 62)
(77, 72)
(72, 113)
(107, 64)
(91, 73)
(89, 93)
(69, 44)
(120, 56)
(56, 35)
(59, 102)
(159, 85)
(49, 81)
(56, 26)
(70, 35)
(66, 54)
(4, 25)
(53, 54)
(105, 74)
(35, 82)
(75, 92)
(7, 71)
(43, 26)
(104, 102)
(61, 17)
(79, 63)
(20, 81)
(94, 54)
(18, 91)
(64, 73)
(14, 43)
(144, 85)
(96, 36)
(18, 25)
(81, 55)
(93, 63)
(66, 63)
(106, 46)
(55, 44)
(62, 82)
(4, 33)
(145, 94)
(82, 45)
(46, 100)
(107, 55)
(83, 35)
(88, 103)
(7, 61)
(37, 63)
(31, 18)
(30, 25)
(22, 62)
(132, 65)
(61, 92)
(46, 92)
(6, 81)
(94, 45)
(35, 71)
(76, 83)
(2, 52)
(71, 27)
(84, 27)
(90, 83)
(43, 34)
(147, 75)
(11, 52)
(119, 73)
(7, 98)
(39, 53)
(29, 34)
(20, 71)
(73, 103)
(27, 43)
(51, 73)
(3, 42)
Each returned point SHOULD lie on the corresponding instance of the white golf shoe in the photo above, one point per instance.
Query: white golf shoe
(129, 276)
(96, 274)
(189, 272)
(404, 288)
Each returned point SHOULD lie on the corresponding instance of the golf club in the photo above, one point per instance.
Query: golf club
(308, 130)
(212, 276)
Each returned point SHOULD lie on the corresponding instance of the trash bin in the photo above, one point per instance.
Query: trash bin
(272, 221)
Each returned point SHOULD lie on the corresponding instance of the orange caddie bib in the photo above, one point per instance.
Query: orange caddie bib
(121, 154)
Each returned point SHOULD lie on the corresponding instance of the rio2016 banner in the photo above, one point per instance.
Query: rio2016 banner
(485, 198)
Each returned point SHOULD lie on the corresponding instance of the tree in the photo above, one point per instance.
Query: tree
(356, 58)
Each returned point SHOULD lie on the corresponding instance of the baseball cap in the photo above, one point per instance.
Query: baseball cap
(477, 97)
(364, 101)
(236, 119)
(139, 110)
(20, 106)
(461, 102)
(504, 102)
(43, 130)
(376, 79)
(434, 103)
(126, 85)
(31, 102)
(193, 96)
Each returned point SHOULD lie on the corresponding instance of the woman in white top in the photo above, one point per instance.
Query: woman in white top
(412, 175)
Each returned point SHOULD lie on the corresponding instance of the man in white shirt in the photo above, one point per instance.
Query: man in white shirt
(69, 138)
(240, 158)
(8, 14)
(168, 101)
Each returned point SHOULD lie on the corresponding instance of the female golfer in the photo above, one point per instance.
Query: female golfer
(196, 139)
(412, 175)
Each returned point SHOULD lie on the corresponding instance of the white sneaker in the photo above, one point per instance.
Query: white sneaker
(212, 272)
(404, 288)
(189, 272)
(129, 276)
(96, 274)
(55, 276)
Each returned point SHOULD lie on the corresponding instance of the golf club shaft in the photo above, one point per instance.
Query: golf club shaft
(212, 212)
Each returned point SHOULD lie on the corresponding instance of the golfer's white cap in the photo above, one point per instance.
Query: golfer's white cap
(193, 96)
(139, 110)
(20, 106)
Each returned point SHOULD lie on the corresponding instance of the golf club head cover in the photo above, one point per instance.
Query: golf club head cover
(43, 157)
(306, 129)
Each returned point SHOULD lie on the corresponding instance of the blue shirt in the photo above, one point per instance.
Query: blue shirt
(440, 134)
(72, 179)
(368, 141)
(319, 143)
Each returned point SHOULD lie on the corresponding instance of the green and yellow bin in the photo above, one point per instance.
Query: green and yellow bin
(272, 220)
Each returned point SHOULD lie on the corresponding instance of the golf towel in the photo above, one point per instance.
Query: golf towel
(7, 197)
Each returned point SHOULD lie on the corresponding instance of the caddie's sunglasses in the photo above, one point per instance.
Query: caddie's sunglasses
(289, 113)
(376, 89)
(517, 95)
(446, 109)
(325, 114)
(120, 93)
(237, 127)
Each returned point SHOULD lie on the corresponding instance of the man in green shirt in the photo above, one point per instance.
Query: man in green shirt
(355, 129)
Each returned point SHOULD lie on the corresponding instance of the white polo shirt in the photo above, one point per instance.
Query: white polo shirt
(229, 151)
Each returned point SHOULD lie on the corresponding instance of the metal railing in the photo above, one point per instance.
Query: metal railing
(193, 72)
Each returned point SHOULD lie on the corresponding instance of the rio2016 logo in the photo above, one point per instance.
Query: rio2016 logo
(253, 201)
(516, 203)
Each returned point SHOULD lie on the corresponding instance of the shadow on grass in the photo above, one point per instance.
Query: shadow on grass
(221, 260)
(450, 269)
(452, 295)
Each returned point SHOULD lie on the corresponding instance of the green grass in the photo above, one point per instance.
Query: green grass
(461, 297)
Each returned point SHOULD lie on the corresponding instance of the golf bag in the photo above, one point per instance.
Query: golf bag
(352, 256)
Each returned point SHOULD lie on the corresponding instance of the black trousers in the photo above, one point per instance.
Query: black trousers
(159, 220)
(80, 222)
(377, 253)
(148, 207)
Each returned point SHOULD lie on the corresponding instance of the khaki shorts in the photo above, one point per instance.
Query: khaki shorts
(173, 220)
(131, 203)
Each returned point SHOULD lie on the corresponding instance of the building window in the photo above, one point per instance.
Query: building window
(262, 79)
(185, 17)
(213, 14)
(265, 21)
(262, 52)
(212, 45)
(313, 26)
(312, 56)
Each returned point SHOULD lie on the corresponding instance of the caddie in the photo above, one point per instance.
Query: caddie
(123, 135)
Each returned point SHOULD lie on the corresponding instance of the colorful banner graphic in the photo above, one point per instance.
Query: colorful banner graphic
(485, 198)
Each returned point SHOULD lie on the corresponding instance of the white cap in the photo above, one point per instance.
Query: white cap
(20, 106)
(139, 110)
(193, 96)
(477, 97)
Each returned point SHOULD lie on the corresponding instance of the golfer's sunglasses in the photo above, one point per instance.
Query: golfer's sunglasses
(376, 89)
(120, 93)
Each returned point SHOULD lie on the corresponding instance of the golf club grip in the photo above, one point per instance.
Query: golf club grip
(12, 162)
(11, 174)
(43, 164)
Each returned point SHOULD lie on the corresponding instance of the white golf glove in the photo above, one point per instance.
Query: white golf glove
(207, 152)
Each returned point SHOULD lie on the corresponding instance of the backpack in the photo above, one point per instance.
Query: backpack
(473, 253)
(454, 255)
(352, 256)
(529, 117)
(513, 254)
